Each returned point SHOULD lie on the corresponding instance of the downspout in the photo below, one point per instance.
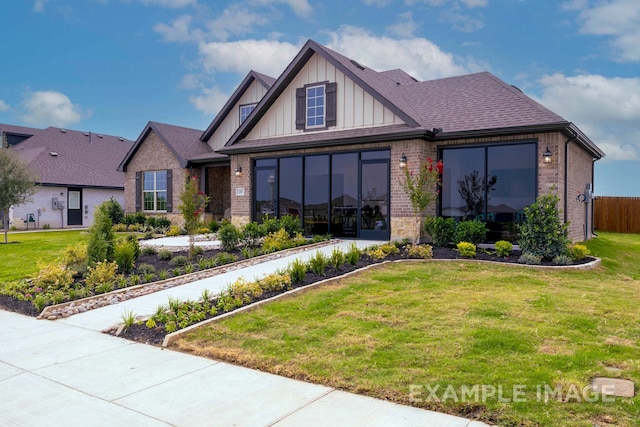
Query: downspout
(566, 175)
(593, 205)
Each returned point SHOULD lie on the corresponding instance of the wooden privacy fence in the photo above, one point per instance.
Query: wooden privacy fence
(617, 214)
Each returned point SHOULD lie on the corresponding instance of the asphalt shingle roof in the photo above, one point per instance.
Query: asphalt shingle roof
(74, 158)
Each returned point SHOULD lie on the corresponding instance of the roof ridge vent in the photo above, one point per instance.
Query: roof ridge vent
(53, 154)
(353, 61)
(120, 138)
(63, 130)
(100, 135)
(86, 133)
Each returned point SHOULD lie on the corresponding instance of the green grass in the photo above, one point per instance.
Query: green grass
(21, 255)
(453, 326)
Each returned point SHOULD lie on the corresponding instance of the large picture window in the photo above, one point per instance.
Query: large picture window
(154, 190)
(491, 183)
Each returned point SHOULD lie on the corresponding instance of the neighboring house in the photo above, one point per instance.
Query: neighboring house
(329, 140)
(163, 154)
(76, 171)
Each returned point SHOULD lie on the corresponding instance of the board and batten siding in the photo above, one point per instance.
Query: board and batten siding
(355, 107)
(231, 123)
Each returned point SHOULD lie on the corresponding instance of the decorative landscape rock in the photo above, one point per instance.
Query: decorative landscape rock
(613, 387)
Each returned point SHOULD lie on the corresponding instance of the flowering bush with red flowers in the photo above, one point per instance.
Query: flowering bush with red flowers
(193, 202)
(423, 188)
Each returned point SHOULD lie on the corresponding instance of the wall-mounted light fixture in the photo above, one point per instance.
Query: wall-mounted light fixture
(238, 170)
(403, 161)
(547, 155)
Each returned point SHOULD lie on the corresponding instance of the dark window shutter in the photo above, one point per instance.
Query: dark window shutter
(331, 103)
(138, 191)
(169, 190)
(301, 95)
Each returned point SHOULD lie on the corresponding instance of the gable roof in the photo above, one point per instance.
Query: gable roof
(74, 158)
(461, 106)
(263, 79)
(183, 142)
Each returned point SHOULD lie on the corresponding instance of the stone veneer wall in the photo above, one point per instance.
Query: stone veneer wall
(152, 155)
(403, 220)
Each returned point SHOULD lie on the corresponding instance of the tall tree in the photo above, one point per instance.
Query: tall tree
(16, 184)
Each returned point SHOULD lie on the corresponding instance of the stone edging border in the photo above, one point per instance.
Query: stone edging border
(171, 338)
(69, 308)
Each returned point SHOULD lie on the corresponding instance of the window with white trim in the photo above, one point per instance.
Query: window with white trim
(245, 111)
(154, 190)
(315, 106)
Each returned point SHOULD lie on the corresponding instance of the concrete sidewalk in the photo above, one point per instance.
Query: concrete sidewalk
(53, 373)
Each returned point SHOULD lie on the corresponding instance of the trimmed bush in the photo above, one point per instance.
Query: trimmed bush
(124, 255)
(466, 249)
(101, 241)
(503, 248)
(276, 241)
(113, 210)
(353, 254)
(103, 274)
(471, 231)
(75, 255)
(578, 252)
(173, 231)
(563, 260)
(441, 230)
(318, 262)
(543, 233)
(251, 234)
(179, 261)
(213, 225)
(530, 259)
(53, 277)
(298, 271)
(165, 254)
(229, 236)
(419, 251)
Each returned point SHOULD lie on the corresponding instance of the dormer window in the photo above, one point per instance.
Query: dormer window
(245, 111)
(316, 106)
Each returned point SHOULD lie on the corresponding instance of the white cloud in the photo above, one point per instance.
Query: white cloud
(618, 19)
(178, 31)
(266, 56)
(419, 57)
(51, 108)
(404, 27)
(38, 6)
(236, 20)
(461, 21)
(4, 107)
(210, 102)
(379, 3)
(606, 109)
(172, 4)
(299, 7)
(467, 3)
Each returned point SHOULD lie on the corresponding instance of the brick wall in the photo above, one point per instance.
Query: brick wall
(153, 154)
(580, 164)
(219, 191)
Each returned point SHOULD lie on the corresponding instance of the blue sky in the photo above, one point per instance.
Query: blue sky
(110, 66)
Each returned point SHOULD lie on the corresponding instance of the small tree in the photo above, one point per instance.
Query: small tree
(16, 184)
(192, 208)
(543, 233)
(422, 188)
(101, 242)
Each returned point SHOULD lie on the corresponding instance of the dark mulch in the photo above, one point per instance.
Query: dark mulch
(23, 307)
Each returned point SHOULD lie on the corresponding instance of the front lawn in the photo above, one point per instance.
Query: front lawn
(414, 332)
(21, 255)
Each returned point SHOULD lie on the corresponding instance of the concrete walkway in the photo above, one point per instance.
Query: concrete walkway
(66, 373)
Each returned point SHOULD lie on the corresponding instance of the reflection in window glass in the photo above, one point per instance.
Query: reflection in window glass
(316, 195)
(290, 187)
(265, 192)
(463, 194)
(344, 194)
(155, 190)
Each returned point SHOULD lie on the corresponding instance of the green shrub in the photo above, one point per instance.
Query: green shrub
(146, 268)
(542, 232)
(318, 262)
(113, 209)
(244, 290)
(165, 254)
(150, 250)
(197, 250)
(103, 273)
(466, 249)
(276, 241)
(53, 276)
(419, 251)
(563, 260)
(75, 255)
(173, 231)
(578, 252)
(376, 254)
(163, 222)
(471, 231)
(229, 236)
(120, 228)
(124, 255)
(133, 240)
(251, 234)
(179, 261)
(291, 224)
(298, 271)
(269, 225)
(503, 248)
(134, 280)
(530, 259)
(441, 230)
(225, 258)
(275, 282)
(101, 240)
(135, 218)
(353, 254)
(337, 258)
(45, 226)
(213, 225)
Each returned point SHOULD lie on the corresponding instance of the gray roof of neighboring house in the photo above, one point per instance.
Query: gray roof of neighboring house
(74, 158)
(183, 142)
(263, 79)
(466, 105)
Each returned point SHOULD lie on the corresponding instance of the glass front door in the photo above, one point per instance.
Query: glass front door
(374, 199)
